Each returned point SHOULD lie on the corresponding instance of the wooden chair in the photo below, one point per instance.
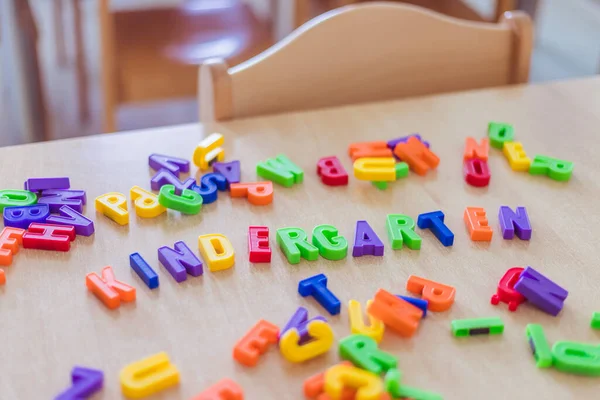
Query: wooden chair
(153, 53)
(365, 53)
(304, 10)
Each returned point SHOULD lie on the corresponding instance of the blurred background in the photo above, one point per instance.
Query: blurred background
(72, 68)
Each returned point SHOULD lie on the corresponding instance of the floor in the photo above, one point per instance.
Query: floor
(567, 38)
(567, 45)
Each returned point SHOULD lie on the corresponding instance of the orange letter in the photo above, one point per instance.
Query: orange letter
(258, 193)
(10, 240)
(396, 313)
(472, 150)
(109, 290)
(369, 149)
(315, 385)
(225, 389)
(440, 297)
(350, 394)
(255, 342)
(477, 224)
(417, 155)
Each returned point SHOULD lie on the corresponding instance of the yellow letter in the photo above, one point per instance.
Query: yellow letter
(368, 385)
(208, 150)
(322, 341)
(148, 376)
(375, 169)
(517, 158)
(357, 324)
(114, 206)
(217, 251)
(146, 203)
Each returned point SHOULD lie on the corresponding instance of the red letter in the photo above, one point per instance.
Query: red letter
(258, 244)
(477, 172)
(332, 172)
(506, 292)
(49, 237)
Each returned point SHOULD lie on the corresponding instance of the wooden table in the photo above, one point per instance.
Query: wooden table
(51, 323)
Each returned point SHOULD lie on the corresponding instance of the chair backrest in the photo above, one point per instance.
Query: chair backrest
(364, 53)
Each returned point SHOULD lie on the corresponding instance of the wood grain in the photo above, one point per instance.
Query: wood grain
(51, 323)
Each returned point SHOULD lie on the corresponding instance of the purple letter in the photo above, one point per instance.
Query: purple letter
(392, 143)
(366, 241)
(85, 382)
(68, 216)
(230, 170)
(512, 223)
(37, 184)
(164, 177)
(171, 164)
(541, 291)
(57, 198)
(300, 321)
(180, 260)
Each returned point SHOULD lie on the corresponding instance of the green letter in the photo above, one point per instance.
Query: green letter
(539, 345)
(16, 198)
(391, 382)
(500, 133)
(401, 228)
(280, 170)
(331, 245)
(189, 202)
(559, 170)
(294, 245)
(576, 358)
(362, 351)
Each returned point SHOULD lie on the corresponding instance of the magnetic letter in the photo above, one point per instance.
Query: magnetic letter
(217, 251)
(401, 229)
(366, 241)
(148, 376)
(180, 261)
(294, 244)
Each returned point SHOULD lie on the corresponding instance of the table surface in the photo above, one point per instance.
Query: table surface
(51, 322)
